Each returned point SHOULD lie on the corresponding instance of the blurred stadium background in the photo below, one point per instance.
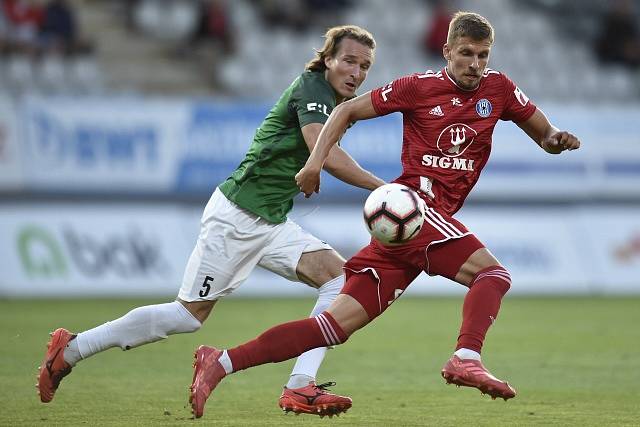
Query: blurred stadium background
(119, 118)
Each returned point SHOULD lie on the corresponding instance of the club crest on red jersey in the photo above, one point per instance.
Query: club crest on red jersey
(484, 107)
(455, 139)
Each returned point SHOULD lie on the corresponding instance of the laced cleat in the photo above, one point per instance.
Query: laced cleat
(53, 368)
(471, 373)
(313, 399)
(207, 374)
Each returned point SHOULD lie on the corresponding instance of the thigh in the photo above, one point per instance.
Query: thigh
(318, 267)
(376, 280)
(230, 244)
(287, 243)
(457, 259)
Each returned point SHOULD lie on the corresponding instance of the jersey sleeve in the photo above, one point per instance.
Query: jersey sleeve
(312, 101)
(517, 106)
(399, 95)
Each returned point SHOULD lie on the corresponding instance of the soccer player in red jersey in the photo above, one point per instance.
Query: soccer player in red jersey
(449, 116)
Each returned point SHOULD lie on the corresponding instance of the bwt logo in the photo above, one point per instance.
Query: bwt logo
(91, 145)
(126, 255)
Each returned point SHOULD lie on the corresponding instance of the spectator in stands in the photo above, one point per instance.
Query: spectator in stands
(619, 40)
(300, 15)
(291, 14)
(4, 33)
(436, 33)
(326, 12)
(215, 25)
(58, 32)
(23, 20)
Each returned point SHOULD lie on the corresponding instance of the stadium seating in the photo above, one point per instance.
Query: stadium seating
(561, 66)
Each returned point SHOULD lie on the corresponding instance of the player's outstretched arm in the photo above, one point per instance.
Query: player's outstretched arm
(360, 108)
(340, 164)
(548, 137)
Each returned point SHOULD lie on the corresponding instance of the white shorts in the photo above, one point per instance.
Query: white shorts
(232, 242)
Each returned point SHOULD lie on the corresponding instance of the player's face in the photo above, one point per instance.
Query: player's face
(467, 60)
(348, 68)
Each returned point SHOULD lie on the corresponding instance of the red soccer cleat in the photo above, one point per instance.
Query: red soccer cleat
(313, 399)
(471, 373)
(53, 367)
(207, 374)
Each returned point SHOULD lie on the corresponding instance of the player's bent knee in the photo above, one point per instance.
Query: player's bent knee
(507, 279)
(496, 274)
(331, 329)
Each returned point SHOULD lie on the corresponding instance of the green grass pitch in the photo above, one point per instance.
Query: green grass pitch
(574, 361)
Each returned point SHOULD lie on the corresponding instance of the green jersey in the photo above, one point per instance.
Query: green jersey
(264, 181)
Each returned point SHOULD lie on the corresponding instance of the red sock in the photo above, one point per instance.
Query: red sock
(287, 340)
(481, 306)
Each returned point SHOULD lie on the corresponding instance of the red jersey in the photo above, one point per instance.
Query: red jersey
(447, 130)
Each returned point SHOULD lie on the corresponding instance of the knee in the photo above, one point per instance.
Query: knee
(185, 321)
(504, 276)
(200, 310)
(496, 274)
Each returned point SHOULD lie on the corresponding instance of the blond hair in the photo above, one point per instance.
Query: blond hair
(333, 37)
(469, 24)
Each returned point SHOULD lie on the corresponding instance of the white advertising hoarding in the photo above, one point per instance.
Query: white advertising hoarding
(95, 250)
(114, 145)
(612, 235)
(125, 250)
(540, 246)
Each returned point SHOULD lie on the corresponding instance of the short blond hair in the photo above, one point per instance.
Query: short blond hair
(333, 37)
(469, 24)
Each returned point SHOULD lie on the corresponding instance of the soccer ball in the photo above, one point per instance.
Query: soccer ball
(394, 214)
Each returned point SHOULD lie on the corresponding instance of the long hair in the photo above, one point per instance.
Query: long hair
(469, 24)
(333, 37)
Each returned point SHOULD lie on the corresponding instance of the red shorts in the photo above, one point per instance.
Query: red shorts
(377, 275)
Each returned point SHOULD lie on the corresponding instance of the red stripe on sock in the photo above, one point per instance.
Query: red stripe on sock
(285, 341)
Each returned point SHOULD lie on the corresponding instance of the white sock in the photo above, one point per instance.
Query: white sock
(72, 353)
(140, 326)
(299, 380)
(308, 363)
(465, 353)
(225, 361)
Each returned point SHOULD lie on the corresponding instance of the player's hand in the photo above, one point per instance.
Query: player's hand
(308, 180)
(559, 142)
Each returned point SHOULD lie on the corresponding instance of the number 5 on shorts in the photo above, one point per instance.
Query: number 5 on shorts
(206, 286)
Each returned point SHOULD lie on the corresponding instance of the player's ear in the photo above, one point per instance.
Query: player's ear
(446, 52)
(327, 61)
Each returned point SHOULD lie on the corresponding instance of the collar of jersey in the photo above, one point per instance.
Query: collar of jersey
(458, 87)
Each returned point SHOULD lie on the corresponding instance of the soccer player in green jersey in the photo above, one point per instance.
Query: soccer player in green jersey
(245, 224)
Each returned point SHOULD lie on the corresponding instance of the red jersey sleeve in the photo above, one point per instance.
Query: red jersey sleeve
(399, 95)
(517, 106)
